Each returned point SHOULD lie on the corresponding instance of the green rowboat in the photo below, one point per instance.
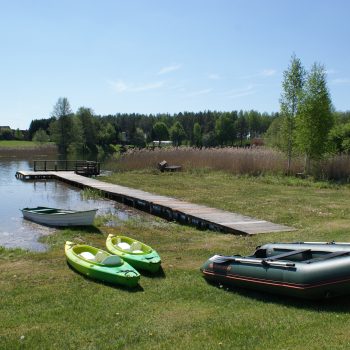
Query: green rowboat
(137, 254)
(100, 265)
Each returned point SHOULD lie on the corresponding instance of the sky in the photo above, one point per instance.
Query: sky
(162, 56)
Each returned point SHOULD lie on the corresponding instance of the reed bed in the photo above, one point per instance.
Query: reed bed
(251, 161)
(237, 161)
(335, 168)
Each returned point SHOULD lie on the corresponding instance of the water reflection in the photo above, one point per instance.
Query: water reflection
(16, 194)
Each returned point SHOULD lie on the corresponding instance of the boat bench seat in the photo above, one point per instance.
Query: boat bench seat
(327, 256)
(288, 254)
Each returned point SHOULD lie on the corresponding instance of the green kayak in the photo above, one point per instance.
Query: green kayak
(100, 265)
(137, 254)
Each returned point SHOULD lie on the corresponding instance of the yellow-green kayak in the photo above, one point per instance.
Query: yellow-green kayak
(136, 253)
(100, 265)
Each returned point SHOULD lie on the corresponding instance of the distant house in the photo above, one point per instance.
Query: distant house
(2, 128)
(161, 143)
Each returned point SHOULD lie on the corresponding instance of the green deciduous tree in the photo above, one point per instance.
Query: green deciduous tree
(273, 135)
(89, 126)
(160, 131)
(106, 134)
(6, 134)
(61, 129)
(41, 136)
(177, 133)
(293, 82)
(241, 126)
(197, 135)
(139, 138)
(339, 137)
(225, 130)
(314, 117)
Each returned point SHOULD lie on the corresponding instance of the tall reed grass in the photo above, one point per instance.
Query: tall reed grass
(238, 161)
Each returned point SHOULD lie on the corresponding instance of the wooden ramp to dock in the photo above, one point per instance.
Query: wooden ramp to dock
(170, 208)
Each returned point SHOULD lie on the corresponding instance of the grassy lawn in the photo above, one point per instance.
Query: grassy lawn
(46, 305)
(22, 144)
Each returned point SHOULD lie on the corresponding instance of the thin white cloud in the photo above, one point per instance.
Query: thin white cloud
(150, 86)
(340, 81)
(199, 92)
(241, 92)
(268, 72)
(214, 76)
(331, 71)
(265, 73)
(169, 69)
(120, 86)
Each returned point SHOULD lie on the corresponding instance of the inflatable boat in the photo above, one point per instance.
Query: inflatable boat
(312, 270)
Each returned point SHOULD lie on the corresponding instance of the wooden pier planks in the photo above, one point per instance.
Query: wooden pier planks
(171, 208)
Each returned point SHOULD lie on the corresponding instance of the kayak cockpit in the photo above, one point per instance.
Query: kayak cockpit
(97, 257)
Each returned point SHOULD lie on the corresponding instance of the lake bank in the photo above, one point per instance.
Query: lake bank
(179, 309)
(16, 194)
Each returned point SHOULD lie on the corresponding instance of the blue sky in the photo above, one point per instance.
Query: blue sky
(158, 56)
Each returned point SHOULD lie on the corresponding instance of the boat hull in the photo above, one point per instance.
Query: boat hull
(121, 274)
(59, 217)
(147, 260)
(315, 277)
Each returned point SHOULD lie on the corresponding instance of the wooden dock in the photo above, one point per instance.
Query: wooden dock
(201, 216)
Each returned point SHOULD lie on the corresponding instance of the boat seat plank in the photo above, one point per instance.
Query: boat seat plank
(327, 256)
(287, 254)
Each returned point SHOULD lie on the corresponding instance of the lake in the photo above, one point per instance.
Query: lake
(15, 232)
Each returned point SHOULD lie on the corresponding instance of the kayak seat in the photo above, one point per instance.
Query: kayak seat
(112, 260)
(136, 247)
(100, 256)
(87, 256)
(124, 246)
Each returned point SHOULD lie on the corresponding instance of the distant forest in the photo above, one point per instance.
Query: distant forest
(86, 131)
(208, 128)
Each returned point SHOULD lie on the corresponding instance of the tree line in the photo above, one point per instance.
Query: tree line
(83, 130)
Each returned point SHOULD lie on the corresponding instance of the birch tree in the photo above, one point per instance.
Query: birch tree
(293, 82)
(314, 119)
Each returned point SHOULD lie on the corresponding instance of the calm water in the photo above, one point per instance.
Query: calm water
(16, 194)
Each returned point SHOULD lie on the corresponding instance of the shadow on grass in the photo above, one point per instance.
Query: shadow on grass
(336, 304)
(135, 289)
(82, 229)
(159, 274)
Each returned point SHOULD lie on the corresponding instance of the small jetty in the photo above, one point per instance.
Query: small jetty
(201, 216)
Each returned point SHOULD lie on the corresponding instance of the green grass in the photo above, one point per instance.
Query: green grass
(46, 305)
(18, 144)
(91, 193)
